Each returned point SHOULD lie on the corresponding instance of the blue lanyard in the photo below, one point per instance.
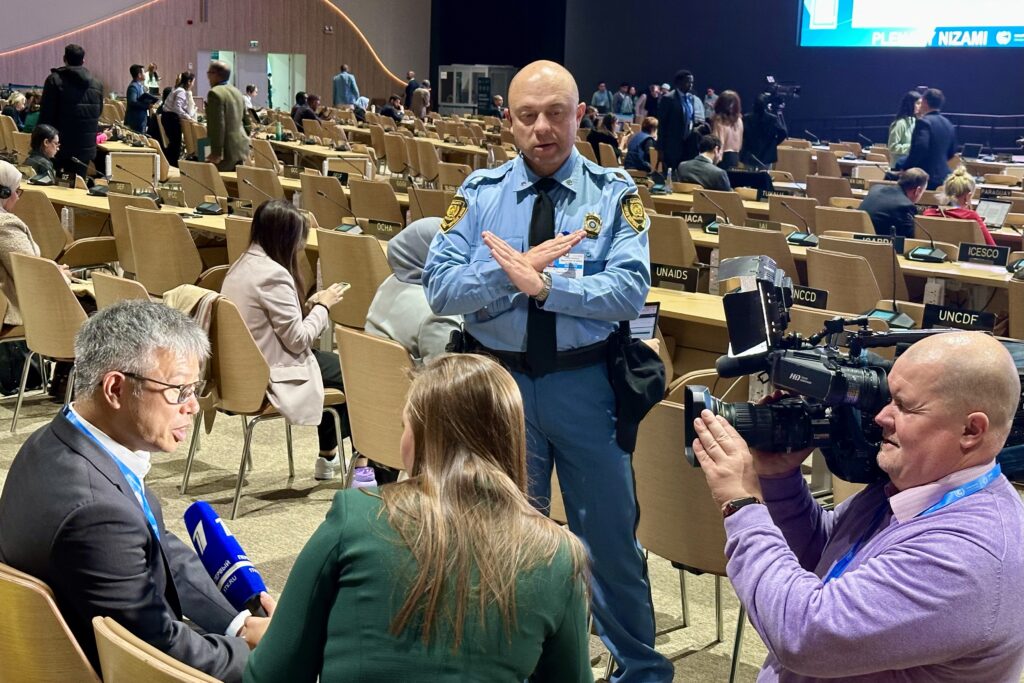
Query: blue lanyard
(133, 481)
(951, 497)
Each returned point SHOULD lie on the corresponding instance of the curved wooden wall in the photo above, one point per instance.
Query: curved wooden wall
(158, 31)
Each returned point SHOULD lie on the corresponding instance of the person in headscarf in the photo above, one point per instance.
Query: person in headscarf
(399, 310)
(15, 238)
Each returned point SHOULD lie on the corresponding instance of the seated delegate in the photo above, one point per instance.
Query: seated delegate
(892, 208)
(914, 579)
(45, 144)
(267, 286)
(15, 238)
(399, 309)
(638, 151)
(448, 576)
(958, 191)
(701, 170)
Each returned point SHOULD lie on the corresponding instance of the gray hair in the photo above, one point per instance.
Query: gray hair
(126, 338)
(222, 68)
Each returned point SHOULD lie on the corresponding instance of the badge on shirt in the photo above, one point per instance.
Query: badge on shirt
(592, 225)
(633, 211)
(569, 266)
(456, 210)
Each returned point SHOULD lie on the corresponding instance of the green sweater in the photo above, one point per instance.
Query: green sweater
(900, 133)
(351, 578)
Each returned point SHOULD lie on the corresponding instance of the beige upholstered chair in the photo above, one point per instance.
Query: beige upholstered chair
(823, 188)
(739, 241)
(196, 177)
(258, 185)
(165, 255)
(849, 281)
(704, 202)
(372, 199)
(35, 642)
(111, 289)
(358, 260)
(952, 230)
(38, 213)
(126, 658)
(879, 256)
(325, 198)
(119, 226)
(802, 206)
(848, 220)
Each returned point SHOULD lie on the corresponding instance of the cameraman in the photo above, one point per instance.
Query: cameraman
(915, 579)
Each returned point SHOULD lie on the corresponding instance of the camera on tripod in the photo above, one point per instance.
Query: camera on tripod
(837, 393)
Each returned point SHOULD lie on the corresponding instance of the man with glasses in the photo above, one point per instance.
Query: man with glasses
(75, 511)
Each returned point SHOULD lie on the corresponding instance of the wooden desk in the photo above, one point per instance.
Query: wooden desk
(697, 324)
(678, 201)
(293, 185)
(318, 152)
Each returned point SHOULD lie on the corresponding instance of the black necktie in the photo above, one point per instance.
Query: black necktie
(541, 342)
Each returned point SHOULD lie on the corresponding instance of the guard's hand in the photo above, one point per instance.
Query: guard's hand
(777, 465)
(516, 265)
(543, 254)
(725, 459)
(254, 627)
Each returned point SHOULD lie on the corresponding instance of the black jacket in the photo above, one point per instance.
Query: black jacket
(72, 103)
(890, 210)
(41, 165)
(762, 134)
(598, 135)
(931, 147)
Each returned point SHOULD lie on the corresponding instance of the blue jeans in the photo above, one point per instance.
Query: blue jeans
(570, 422)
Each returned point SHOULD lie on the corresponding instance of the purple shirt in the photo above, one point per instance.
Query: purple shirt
(930, 598)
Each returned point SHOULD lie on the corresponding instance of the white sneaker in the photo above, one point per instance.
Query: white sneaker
(326, 469)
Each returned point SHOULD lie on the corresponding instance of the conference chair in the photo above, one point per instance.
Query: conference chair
(423, 203)
(412, 155)
(378, 143)
(395, 154)
(22, 143)
(796, 162)
(198, 178)
(429, 161)
(119, 226)
(377, 378)
(324, 197)
(499, 154)
(38, 213)
(451, 176)
(704, 201)
(679, 521)
(736, 241)
(263, 156)
(165, 166)
(7, 130)
(848, 279)
(374, 200)
(844, 203)
(358, 260)
(1001, 179)
(823, 188)
(686, 188)
(782, 209)
(868, 172)
(165, 255)
(258, 185)
(796, 143)
(51, 315)
(1016, 292)
(126, 658)
(238, 233)
(952, 230)
(670, 242)
(826, 165)
(586, 150)
(645, 197)
(311, 128)
(849, 220)
(241, 375)
(607, 158)
(880, 257)
(35, 642)
(110, 114)
(110, 289)
(140, 169)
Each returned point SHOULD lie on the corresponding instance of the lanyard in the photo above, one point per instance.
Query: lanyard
(133, 481)
(951, 497)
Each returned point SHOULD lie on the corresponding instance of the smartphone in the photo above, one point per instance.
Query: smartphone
(344, 286)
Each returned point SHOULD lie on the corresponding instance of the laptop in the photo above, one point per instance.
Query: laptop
(993, 211)
(970, 151)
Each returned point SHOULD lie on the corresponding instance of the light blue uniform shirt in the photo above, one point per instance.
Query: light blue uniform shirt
(462, 278)
(345, 89)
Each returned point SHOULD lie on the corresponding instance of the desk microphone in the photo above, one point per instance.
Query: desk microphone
(817, 140)
(332, 200)
(927, 254)
(764, 166)
(804, 239)
(223, 558)
(272, 160)
(155, 195)
(865, 138)
(205, 208)
(717, 206)
(251, 184)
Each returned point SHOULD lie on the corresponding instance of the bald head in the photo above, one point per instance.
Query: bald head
(976, 374)
(544, 77)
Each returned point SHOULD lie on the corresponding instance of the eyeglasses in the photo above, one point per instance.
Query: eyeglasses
(19, 192)
(185, 391)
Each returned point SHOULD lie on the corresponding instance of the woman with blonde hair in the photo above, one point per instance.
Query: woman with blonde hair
(450, 575)
(958, 192)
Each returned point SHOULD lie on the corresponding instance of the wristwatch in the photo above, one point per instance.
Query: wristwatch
(542, 295)
(737, 503)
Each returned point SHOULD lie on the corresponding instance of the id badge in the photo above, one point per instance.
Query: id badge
(569, 265)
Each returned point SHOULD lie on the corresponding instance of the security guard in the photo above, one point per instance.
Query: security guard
(543, 256)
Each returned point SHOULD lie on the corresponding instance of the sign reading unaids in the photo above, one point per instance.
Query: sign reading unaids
(911, 23)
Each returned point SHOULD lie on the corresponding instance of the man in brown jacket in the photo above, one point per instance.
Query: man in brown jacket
(227, 125)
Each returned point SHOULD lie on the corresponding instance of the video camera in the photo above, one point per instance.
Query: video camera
(779, 94)
(837, 394)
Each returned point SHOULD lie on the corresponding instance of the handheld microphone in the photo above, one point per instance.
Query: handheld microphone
(154, 195)
(258, 189)
(927, 254)
(817, 140)
(717, 206)
(865, 138)
(223, 558)
(205, 208)
(806, 238)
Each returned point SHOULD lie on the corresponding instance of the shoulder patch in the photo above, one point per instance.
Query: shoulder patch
(456, 210)
(632, 210)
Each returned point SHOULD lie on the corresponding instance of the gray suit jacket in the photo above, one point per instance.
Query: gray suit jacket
(69, 518)
(701, 171)
(227, 126)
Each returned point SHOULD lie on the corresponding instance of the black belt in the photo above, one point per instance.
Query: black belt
(573, 359)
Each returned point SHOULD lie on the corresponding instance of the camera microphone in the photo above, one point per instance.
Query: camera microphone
(155, 196)
(806, 238)
(927, 254)
(718, 206)
(204, 208)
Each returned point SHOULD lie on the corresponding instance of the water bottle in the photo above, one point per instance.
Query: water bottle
(363, 477)
(278, 132)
